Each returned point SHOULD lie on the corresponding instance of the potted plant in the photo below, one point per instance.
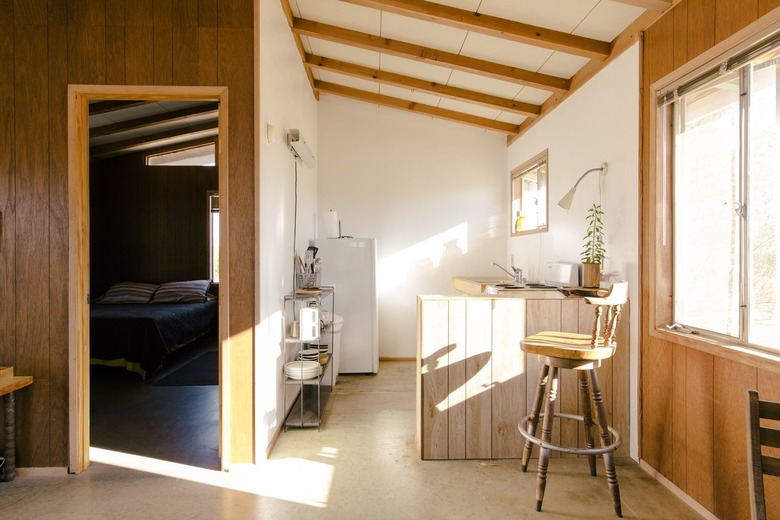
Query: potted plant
(593, 248)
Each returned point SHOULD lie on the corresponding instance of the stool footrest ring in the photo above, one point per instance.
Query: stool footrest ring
(523, 427)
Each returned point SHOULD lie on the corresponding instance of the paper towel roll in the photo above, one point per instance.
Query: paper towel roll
(332, 225)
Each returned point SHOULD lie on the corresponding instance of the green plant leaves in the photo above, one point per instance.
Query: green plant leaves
(593, 250)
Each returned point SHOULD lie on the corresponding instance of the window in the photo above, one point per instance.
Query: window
(528, 211)
(213, 204)
(725, 149)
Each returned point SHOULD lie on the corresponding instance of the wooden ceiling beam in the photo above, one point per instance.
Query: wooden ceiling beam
(428, 55)
(144, 122)
(153, 138)
(288, 13)
(390, 78)
(411, 106)
(495, 26)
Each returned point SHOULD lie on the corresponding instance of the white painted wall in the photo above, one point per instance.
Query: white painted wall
(433, 193)
(286, 101)
(597, 124)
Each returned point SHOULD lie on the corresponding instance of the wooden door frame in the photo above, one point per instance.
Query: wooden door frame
(78, 251)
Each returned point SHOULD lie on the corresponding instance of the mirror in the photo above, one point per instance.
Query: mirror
(528, 205)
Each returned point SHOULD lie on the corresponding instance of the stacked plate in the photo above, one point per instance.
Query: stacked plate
(302, 369)
(309, 354)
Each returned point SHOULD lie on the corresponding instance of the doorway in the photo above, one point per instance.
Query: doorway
(80, 97)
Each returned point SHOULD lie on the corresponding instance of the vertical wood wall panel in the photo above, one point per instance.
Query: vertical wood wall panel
(7, 241)
(479, 365)
(7, 16)
(701, 26)
(456, 366)
(30, 12)
(731, 382)
(44, 45)
(764, 6)
(733, 15)
(163, 43)
(700, 434)
(571, 432)
(680, 23)
(32, 235)
(58, 239)
(434, 345)
(679, 470)
(509, 380)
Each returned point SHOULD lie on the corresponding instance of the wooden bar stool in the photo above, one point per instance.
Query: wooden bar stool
(564, 350)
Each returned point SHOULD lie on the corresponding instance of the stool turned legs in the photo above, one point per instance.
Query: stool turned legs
(587, 419)
(544, 453)
(609, 461)
(541, 386)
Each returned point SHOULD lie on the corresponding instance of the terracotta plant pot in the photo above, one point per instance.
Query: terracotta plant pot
(591, 274)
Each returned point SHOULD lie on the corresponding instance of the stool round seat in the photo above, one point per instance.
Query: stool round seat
(567, 345)
(583, 353)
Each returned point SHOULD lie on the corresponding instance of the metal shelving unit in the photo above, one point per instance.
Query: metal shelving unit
(309, 402)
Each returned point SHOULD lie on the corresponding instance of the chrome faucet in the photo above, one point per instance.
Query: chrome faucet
(518, 273)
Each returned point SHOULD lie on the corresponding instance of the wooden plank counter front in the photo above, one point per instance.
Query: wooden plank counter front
(474, 383)
(8, 385)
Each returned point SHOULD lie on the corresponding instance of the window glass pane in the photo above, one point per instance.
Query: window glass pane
(706, 227)
(529, 197)
(763, 209)
(214, 235)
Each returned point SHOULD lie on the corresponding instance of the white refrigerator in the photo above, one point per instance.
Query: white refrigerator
(349, 265)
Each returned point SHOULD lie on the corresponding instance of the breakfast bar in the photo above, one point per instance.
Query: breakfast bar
(474, 383)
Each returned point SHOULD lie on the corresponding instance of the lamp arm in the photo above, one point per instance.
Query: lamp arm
(600, 168)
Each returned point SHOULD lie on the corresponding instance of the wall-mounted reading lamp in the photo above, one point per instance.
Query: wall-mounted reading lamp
(299, 147)
(567, 199)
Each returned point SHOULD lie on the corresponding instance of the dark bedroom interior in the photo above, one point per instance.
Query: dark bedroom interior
(154, 331)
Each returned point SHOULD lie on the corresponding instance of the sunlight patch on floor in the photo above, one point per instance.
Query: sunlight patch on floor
(278, 479)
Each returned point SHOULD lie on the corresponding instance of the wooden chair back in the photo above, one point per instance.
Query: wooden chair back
(758, 436)
(613, 301)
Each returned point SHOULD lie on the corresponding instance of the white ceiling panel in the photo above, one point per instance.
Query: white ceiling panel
(415, 69)
(509, 117)
(506, 52)
(342, 14)
(608, 20)
(532, 95)
(428, 34)
(345, 53)
(409, 95)
(484, 85)
(349, 81)
(560, 15)
(563, 65)
(469, 108)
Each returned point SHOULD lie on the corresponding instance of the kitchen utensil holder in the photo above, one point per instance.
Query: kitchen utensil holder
(307, 280)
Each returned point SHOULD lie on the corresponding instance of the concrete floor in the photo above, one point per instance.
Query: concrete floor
(362, 465)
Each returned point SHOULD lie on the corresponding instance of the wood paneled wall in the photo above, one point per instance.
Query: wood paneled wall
(44, 46)
(693, 401)
(148, 223)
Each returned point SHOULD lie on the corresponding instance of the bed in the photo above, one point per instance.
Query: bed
(137, 327)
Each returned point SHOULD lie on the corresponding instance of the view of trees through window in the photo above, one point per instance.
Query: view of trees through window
(726, 210)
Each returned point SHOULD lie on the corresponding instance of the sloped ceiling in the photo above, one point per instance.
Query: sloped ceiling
(495, 64)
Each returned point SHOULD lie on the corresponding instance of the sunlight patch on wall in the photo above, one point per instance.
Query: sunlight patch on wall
(393, 269)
